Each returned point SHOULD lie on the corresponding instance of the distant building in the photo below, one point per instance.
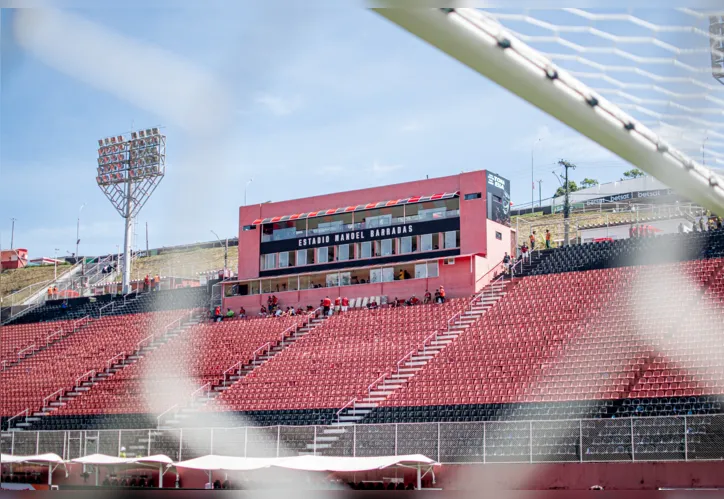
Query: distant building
(13, 259)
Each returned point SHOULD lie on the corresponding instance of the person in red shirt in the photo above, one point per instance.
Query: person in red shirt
(337, 304)
(217, 314)
(345, 304)
(326, 305)
(442, 294)
(428, 296)
(146, 281)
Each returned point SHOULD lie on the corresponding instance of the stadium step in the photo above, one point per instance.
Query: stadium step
(194, 405)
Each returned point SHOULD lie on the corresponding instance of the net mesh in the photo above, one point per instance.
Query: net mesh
(663, 66)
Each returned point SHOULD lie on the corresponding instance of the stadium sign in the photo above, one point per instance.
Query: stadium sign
(356, 236)
(627, 196)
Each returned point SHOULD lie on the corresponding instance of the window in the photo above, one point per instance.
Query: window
(429, 269)
(497, 199)
(367, 249)
(429, 242)
(311, 259)
(451, 239)
(248, 227)
(345, 278)
(473, 195)
(301, 257)
(386, 247)
(284, 259)
(322, 254)
(332, 280)
(343, 252)
(270, 261)
(293, 283)
(406, 244)
(498, 235)
(376, 275)
(388, 274)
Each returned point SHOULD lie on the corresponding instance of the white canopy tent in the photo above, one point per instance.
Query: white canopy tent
(97, 460)
(330, 464)
(52, 461)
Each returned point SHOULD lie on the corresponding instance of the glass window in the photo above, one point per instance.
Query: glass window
(311, 260)
(284, 259)
(254, 288)
(270, 261)
(420, 271)
(332, 280)
(376, 275)
(426, 242)
(406, 244)
(343, 252)
(367, 249)
(473, 195)
(345, 278)
(388, 274)
(386, 247)
(293, 283)
(451, 239)
(301, 257)
(432, 269)
(266, 286)
(322, 255)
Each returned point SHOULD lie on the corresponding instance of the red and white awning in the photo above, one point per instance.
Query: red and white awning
(359, 207)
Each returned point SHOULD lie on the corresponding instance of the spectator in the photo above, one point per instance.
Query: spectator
(156, 282)
(275, 301)
(278, 312)
(300, 311)
(263, 311)
(393, 303)
(414, 300)
(345, 304)
(524, 251)
(217, 314)
(401, 275)
(229, 313)
(337, 304)
(437, 296)
(442, 294)
(548, 239)
(326, 306)
(50, 293)
(531, 238)
(122, 453)
(372, 305)
(701, 224)
(146, 282)
(242, 313)
(506, 262)
(428, 296)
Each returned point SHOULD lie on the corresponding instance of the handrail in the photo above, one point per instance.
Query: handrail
(494, 267)
(424, 342)
(281, 336)
(52, 395)
(456, 316)
(21, 352)
(267, 344)
(25, 412)
(158, 418)
(85, 318)
(111, 304)
(112, 361)
(84, 376)
(208, 390)
(11, 296)
(374, 383)
(345, 406)
(233, 368)
(409, 354)
(47, 338)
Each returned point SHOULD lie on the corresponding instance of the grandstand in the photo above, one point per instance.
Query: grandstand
(579, 357)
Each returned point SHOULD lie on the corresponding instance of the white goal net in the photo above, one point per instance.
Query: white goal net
(647, 85)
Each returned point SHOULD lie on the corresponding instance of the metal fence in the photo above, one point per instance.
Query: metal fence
(682, 438)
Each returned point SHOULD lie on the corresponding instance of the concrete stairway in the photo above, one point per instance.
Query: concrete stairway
(358, 409)
(176, 416)
(87, 381)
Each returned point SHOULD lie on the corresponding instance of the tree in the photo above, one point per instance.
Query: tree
(635, 173)
(589, 182)
(572, 187)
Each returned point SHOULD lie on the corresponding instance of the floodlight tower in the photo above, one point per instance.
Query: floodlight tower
(130, 167)
(716, 32)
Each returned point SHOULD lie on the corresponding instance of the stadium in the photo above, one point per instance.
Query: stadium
(406, 336)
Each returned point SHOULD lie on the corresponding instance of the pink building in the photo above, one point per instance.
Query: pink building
(391, 241)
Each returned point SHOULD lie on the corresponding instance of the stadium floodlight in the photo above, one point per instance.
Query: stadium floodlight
(130, 167)
(716, 37)
(680, 101)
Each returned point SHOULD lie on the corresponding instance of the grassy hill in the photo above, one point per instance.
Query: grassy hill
(15, 279)
(185, 263)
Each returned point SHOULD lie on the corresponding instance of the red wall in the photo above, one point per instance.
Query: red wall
(457, 280)
(472, 213)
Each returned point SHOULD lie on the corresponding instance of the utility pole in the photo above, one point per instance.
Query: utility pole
(566, 204)
(532, 178)
(12, 233)
(540, 195)
(147, 254)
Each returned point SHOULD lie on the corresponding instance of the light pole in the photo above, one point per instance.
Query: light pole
(12, 232)
(532, 178)
(55, 265)
(77, 232)
(226, 250)
(245, 187)
(703, 152)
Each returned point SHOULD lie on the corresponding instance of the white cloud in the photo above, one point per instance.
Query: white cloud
(277, 105)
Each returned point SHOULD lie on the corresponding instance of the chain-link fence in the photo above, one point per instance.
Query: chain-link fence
(682, 438)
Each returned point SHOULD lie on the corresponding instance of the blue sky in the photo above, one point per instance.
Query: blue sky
(305, 101)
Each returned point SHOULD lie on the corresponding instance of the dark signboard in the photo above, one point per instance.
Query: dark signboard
(498, 191)
(360, 236)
